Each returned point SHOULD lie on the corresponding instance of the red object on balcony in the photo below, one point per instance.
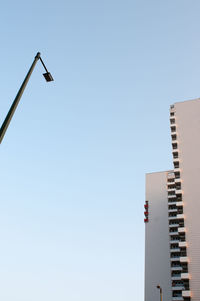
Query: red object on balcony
(146, 213)
(146, 206)
(146, 220)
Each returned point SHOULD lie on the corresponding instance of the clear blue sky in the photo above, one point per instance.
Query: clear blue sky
(73, 161)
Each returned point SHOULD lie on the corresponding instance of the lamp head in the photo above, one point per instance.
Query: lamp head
(158, 286)
(48, 76)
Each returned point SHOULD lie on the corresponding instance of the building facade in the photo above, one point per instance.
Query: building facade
(173, 206)
(157, 256)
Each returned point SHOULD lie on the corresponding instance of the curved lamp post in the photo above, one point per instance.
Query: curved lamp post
(13, 107)
(160, 288)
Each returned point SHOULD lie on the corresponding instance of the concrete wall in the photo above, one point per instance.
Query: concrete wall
(157, 254)
(187, 116)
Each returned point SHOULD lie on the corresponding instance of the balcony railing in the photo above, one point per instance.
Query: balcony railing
(172, 217)
(176, 277)
(174, 241)
(176, 268)
(181, 230)
(176, 250)
(179, 298)
(179, 204)
(185, 276)
(180, 216)
(172, 210)
(173, 259)
(178, 288)
(172, 202)
(174, 225)
(172, 233)
(186, 293)
(184, 259)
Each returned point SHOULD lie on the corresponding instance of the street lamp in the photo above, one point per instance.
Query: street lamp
(48, 77)
(160, 288)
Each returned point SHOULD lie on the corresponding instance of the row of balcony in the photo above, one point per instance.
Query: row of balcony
(178, 252)
(146, 212)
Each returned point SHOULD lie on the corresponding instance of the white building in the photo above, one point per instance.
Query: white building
(157, 255)
(172, 213)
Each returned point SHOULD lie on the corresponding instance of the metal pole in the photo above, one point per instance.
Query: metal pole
(17, 99)
(160, 294)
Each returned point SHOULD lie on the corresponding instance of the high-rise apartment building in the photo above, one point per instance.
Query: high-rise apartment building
(172, 213)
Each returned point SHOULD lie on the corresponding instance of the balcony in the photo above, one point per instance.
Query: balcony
(171, 218)
(172, 124)
(177, 180)
(178, 288)
(177, 169)
(179, 191)
(186, 294)
(175, 151)
(172, 202)
(174, 241)
(174, 146)
(184, 259)
(179, 216)
(172, 117)
(171, 188)
(173, 259)
(176, 173)
(177, 163)
(175, 250)
(179, 204)
(177, 277)
(180, 298)
(185, 276)
(173, 233)
(174, 139)
(172, 210)
(172, 196)
(176, 268)
(181, 230)
(174, 225)
(170, 175)
(182, 244)
(173, 128)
